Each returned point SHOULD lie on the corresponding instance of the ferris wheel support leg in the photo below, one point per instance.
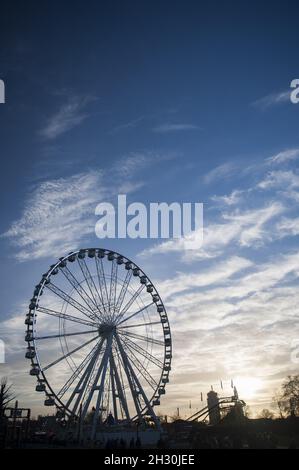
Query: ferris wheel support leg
(134, 392)
(81, 386)
(113, 391)
(120, 390)
(140, 389)
(103, 371)
(94, 387)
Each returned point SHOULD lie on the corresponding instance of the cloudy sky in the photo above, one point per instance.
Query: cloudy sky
(162, 101)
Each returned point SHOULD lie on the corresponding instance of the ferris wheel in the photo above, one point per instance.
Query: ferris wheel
(99, 339)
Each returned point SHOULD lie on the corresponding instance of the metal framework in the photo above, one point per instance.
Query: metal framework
(228, 403)
(99, 339)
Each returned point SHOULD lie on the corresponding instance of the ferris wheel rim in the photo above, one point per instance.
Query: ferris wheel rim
(33, 312)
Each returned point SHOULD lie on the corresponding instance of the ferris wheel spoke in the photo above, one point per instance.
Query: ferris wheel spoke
(140, 367)
(68, 354)
(102, 283)
(90, 283)
(60, 335)
(113, 284)
(147, 339)
(77, 372)
(130, 302)
(141, 324)
(135, 313)
(64, 316)
(132, 377)
(67, 298)
(147, 355)
(123, 291)
(91, 305)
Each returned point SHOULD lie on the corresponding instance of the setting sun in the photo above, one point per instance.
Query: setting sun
(247, 386)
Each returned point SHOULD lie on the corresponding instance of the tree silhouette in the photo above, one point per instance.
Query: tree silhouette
(266, 414)
(279, 404)
(6, 395)
(290, 393)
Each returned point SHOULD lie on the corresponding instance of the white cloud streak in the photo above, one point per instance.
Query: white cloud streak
(272, 99)
(280, 179)
(59, 214)
(70, 115)
(224, 171)
(229, 200)
(248, 228)
(284, 156)
(175, 127)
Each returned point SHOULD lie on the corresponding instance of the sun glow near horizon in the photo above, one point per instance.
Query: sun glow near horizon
(248, 387)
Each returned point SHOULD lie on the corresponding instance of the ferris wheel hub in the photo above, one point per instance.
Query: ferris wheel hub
(106, 329)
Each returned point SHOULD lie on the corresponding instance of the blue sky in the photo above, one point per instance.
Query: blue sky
(179, 101)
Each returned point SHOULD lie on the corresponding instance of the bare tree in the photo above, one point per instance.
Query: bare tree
(6, 395)
(279, 404)
(266, 414)
(290, 394)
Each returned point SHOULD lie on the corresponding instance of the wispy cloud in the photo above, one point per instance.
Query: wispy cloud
(226, 170)
(288, 226)
(243, 308)
(229, 200)
(71, 114)
(246, 228)
(272, 99)
(175, 127)
(285, 156)
(183, 282)
(59, 213)
(280, 179)
(129, 125)
(245, 316)
(135, 161)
